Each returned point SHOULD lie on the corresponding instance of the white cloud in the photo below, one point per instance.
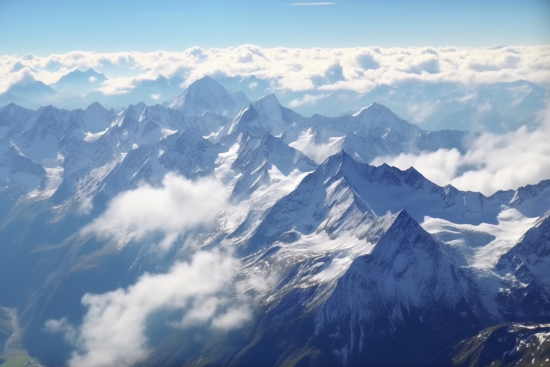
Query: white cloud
(118, 85)
(63, 327)
(204, 288)
(113, 332)
(295, 69)
(92, 79)
(22, 76)
(177, 206)
(318, 152)
(155, 97)
(232, 319)
(493, 162)
(307, 99)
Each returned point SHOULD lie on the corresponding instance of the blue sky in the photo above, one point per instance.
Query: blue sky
(58, 26)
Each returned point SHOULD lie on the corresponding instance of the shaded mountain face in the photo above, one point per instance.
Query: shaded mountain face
(372, 132)
(79, 89)
(497, 107)
(505, 345)
(356, 284)
(79, 82)
(359, 261)
(494, 107)
(526, 266)
(206, 95)
(27, 93)
(405, 286)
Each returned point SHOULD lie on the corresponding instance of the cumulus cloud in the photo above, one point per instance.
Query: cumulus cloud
(367, 61)
(205, 289)
(113, 332)
(294, 69)
(176, 206)
(493, 162)
(118, 85)
(333, 74)
(307, 99)
(318, 152)
(428, 63)
(22, 76)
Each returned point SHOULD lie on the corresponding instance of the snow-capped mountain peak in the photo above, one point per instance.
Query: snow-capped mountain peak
(378, 120)
(269, 107)
(205, 95)
(357, 258)
(79, 82)
(372, 107)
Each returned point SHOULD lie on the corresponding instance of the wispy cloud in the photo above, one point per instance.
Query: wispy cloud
(311, 4)
(160, 210)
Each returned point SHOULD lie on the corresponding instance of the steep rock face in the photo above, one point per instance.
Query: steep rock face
(14, 119)
(355, 300)
(377, 120)
(254, 151)
(184, 153)
(504, 345)
(532, 250)
(353, 283)
(388, 188)
(16, 168)
(204, 95)
(189, 154)
(366, 147)
(97, 118)
(41, 141)
(374, 131)
(75, 150)
(407, 285)
(241, 100)
(376, 282)
(164, 117)
(526, 273)
(266, 115)
(258, 156)
(324, 199)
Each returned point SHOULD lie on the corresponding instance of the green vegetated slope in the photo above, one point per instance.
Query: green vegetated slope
(11, 352)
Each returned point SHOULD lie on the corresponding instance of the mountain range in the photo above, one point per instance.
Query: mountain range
(365, 265)
(497, 107)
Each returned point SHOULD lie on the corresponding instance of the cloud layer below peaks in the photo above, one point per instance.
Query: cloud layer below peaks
(358, 69)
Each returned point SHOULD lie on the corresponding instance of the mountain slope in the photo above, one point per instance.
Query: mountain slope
(204, 95)
(79, 82)
(406, 286)
(330, 259)
(504, 345)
